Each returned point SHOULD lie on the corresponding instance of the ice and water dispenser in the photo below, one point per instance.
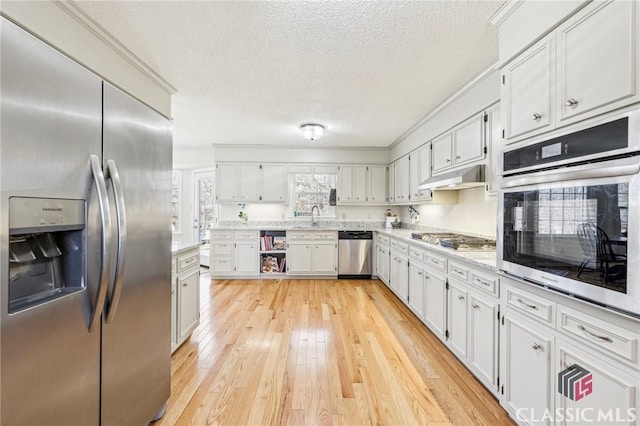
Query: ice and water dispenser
(46, 250)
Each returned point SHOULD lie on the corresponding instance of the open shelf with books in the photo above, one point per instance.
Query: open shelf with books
(273, 255)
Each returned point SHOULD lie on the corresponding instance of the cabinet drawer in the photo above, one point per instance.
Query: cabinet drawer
(435, 262)
(531, 305)
(416, 254)
(222, 249)
(596, 332)
(458, 270)
(382, 239)
(399, 246)
(222, 266)
(296, 236)
(326, 237)
(189, 261)
(221, 236)
(245, 235)
(485, 282)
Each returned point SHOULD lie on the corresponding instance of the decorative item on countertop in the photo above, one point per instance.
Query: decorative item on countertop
(414, 214)
(242, 215)
(392, 220)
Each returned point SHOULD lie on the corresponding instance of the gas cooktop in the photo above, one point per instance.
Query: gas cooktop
(456, 241)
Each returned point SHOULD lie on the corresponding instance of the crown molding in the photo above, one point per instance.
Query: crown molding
(76, 12)
(505, 11)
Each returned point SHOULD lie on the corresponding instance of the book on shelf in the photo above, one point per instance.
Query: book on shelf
(279, 243)
(270, 264)
(282, 265)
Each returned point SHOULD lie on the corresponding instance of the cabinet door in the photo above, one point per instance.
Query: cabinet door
(416, 289)
(275, 183)
(401, 171)
(483, 337)
(382, 264)
(414, 176)
(325, 255)
(457, 318)
(468, 142)
(597, 59)
(392, 183)
(174, 314)
(246, 258)
(377, 185)
(424, 154)
(248, 183)
(441, 153)
(436, 302)
(227, 182)
(360, 176)
(402, 279)
(345, 184)
(494, 145)
(188, 303)
(527, 371)
(601, 388)
(393, 272)
(528, 92)
(299, 258)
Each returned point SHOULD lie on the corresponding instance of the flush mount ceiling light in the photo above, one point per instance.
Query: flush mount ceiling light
(312, 131)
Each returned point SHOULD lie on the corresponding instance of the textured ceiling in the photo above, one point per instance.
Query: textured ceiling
(250, 72)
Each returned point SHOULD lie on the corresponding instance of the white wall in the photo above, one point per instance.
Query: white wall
(63, 26)
(301, 155)
(194, 158)
(473, 214)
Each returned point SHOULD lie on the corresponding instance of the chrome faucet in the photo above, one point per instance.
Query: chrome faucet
(314, 219)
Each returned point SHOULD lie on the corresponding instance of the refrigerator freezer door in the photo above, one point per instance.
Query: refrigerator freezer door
(51, 123)
(136, 340)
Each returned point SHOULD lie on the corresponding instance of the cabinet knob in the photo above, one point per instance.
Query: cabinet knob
(460, 297)
(571, 102)
(535, 346)
(185, 285)
(419, 273)
(458, 157)
(476, 306)
(448, 160)
(536, 116)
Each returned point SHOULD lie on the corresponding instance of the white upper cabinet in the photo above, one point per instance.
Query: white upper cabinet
(588, 66)
(248, 183)
(401, 172)
(252, 183)
(527, 92)
(345, 184)
(493, 141)
(362, 184)
(597, 60)
(464, 144)
(391, 194)
(378, 185)
(419, 171)
(274, 183)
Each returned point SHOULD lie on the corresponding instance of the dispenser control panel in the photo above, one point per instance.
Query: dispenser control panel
(45, 213)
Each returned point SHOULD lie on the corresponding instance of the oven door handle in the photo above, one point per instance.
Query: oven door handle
(569, 174)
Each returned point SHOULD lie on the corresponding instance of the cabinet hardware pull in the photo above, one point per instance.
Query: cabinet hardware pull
(460, 297)
(536, 116)
(448, 160)
(458, 157)
(483, 282)
(535, 346)
(605, 338)
(419, 273)
(571, 102)
(184, 284)
(534, 307)
(476, 306)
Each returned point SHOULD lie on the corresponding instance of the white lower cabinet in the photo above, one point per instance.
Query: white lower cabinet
(526, 370)
(457, 319)
(382, 258)
(483, 338)
(234, 254)
(435, 313)
(399, 276)
(312, 253)
(416, 288)
(185, 295)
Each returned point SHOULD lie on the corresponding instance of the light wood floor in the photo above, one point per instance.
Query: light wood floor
(318, 352)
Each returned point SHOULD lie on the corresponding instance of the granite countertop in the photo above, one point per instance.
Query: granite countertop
(178, 247)
(483, 259)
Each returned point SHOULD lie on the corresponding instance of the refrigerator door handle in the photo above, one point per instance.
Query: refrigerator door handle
(112, 174)
(105, 219)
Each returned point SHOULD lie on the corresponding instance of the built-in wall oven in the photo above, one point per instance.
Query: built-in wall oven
(569, 213)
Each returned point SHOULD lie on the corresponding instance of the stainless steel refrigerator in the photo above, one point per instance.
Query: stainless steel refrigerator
(85, 181)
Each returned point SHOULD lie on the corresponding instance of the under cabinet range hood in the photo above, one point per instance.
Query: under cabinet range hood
(468, 177)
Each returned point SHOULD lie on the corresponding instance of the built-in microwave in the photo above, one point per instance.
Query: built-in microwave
(569, 214)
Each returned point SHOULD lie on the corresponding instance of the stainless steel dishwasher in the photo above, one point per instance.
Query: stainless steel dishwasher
(354, 254)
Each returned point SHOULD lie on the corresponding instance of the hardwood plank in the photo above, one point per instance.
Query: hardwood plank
(318, 352)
